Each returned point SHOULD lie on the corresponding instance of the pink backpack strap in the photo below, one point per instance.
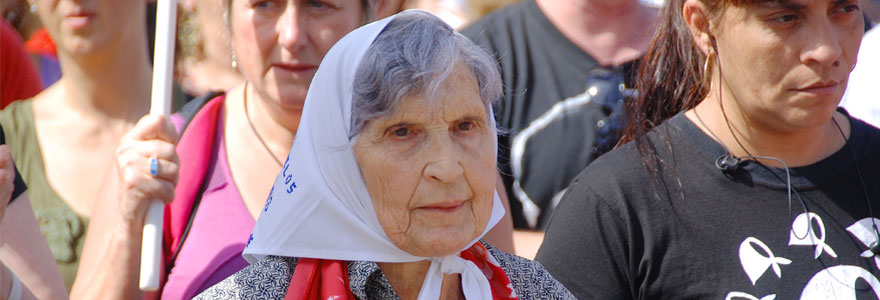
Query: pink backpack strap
(195, 149)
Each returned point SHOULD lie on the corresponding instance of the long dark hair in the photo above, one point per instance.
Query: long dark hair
(671, 78)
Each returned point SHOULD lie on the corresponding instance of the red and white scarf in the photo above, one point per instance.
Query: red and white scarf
(320, 279)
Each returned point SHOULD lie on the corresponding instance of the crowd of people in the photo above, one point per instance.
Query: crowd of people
(362, 149)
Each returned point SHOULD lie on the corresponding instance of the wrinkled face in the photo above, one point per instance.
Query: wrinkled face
(430, 168)
(88, 26)
(785, 64)
(280, 43)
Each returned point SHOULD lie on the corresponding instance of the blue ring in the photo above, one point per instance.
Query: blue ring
(154, 166)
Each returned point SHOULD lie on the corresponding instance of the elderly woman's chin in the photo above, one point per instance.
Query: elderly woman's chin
(440, 231)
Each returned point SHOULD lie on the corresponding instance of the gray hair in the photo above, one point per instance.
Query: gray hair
(413, 55)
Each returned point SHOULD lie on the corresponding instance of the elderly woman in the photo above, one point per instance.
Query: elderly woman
(752, 185)
(393, 179)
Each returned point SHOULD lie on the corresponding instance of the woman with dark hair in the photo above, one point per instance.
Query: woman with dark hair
(743, 179)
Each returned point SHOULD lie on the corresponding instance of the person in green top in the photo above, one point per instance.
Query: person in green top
(64, 139)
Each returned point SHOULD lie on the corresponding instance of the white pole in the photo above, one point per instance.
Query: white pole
(163, 64)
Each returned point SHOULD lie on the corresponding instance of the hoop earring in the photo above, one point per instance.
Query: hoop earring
(707, 77)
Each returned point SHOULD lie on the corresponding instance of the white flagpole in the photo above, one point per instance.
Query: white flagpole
(163, 64)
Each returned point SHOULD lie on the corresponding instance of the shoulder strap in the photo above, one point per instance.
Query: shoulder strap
(195, 148)
(191, 108)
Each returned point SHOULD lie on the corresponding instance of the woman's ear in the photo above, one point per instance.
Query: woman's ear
(696, 16)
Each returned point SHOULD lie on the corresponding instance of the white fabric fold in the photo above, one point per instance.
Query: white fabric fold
(319, 206)
(474, 283)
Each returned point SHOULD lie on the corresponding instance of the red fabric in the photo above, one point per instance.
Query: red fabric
(18, 75)
(318, 279)
(194, 149)
(41, 43)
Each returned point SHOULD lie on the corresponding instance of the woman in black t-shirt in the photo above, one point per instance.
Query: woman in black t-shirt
(744, 180)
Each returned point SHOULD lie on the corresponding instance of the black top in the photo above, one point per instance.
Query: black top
(552, 122)
(696, 232)
(20, 187)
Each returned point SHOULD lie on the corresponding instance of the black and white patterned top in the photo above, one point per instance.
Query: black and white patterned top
(270, 277)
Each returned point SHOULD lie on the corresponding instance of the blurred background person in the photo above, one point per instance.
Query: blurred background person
(18, 77)
(64, 136)
(566, 65)
(205, 61)
(21, 14)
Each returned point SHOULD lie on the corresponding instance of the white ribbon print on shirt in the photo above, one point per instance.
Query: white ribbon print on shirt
(808, 229)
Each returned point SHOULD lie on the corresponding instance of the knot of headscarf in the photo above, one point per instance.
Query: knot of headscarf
(474, 283)
(481, 278)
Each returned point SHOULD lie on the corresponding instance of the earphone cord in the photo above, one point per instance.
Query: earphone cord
(861, 180)
(727, 121)
(755, 159)
(787, 173)
(789, 189)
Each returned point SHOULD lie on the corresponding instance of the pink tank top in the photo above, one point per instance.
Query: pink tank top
(219, 233)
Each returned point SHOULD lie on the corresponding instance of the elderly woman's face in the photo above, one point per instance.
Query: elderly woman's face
(280, 43)
(430, 168)
(786, 63)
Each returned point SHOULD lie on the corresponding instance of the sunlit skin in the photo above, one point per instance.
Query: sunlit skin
(430, 168)
(783, 70)
(787, 64)
(84, 27)
(286, 40)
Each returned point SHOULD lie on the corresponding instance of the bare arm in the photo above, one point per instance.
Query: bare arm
(110, 262)
(6, 286)
(23, 249)
(28, 257)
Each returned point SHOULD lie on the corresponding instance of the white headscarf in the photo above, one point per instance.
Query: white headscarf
(319, 206)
